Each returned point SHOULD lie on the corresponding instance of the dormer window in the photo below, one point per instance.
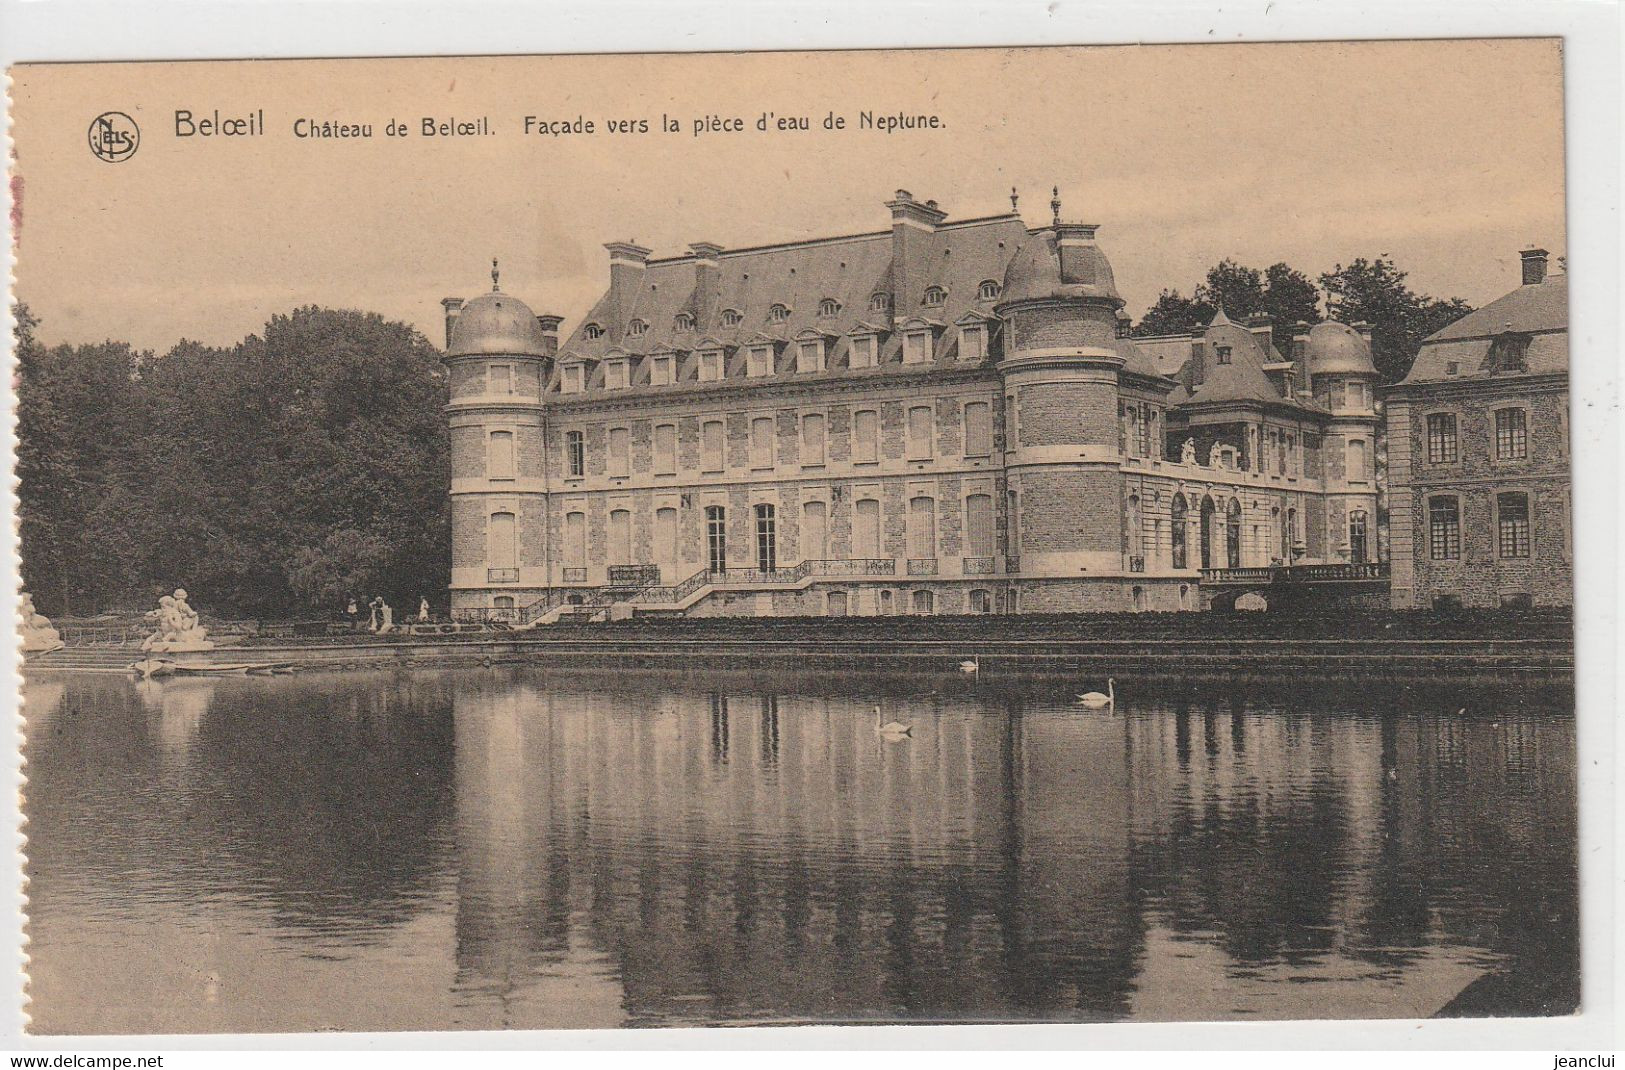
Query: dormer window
(863, 352)
(661, 370)
(616, 375)
(1224, 354)
(683, 322)
(637, 329)
(880, 302)
(571, 379)
(778, 314)
(972, 341)
(917, 346)
(759, 361)
(710, 365)
(809, 355)
(1509, 353)
(592, 331)
(731, 317)
(934, 295)
(829, 307)
(988, 290)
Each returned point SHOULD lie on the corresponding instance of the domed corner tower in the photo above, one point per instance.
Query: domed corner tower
(1337, 360)
(1062, 357)
(499, 355)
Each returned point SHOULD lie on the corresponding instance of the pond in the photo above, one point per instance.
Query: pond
(521, 847)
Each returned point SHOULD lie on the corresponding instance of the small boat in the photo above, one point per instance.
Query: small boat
(151, 667)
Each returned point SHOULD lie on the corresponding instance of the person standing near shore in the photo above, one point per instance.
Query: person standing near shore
(372, 613)
(423, 610)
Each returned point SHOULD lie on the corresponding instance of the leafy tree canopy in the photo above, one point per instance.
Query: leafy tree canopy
(274, 477)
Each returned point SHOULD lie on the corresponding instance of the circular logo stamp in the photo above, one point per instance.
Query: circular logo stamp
(114, 136)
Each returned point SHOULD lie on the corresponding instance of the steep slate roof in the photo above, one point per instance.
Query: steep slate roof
(958, 257)
(1242, 380)
(1540, 310)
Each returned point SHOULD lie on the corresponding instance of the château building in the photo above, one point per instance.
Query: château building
(941, 417)
(1479, 459)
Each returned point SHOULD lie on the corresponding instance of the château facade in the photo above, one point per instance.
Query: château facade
(940, 417)
(1479, 456)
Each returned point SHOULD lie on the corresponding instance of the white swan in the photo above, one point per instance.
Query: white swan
(1096, 699)
(891, 729)
(972, 665)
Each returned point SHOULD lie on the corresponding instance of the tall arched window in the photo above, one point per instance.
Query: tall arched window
(666, 553)
(499, 455)
(1134, 536)
(1178, 525)
(1232, 534)
(979, 525)
(1357, 461)
(866, 529)
(1208, 510)
(922, 528)
(575, 540)
(814, 531)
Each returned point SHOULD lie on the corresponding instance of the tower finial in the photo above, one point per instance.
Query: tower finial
(1014, 198)
(1055, 205)
(496, 286)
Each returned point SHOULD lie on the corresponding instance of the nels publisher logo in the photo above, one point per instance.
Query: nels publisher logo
(114, 136)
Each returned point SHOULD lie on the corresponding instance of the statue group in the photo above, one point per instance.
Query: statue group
(38, 635)
(178, 627)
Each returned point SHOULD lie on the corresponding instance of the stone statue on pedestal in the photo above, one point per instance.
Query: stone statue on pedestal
(178, 627)
(1187, 452)
(38, 635)
(1215, 456)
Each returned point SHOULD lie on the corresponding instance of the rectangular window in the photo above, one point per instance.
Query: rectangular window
(575, 454)
(972, 342)
(1511, 435)
(916, 347)
(812, 440)
(572, 379)
(716, 538)
(1444, 529)
(1442, 444)
(866, 528)
(710, 366)
(665, 449)
(761, 442)
(503, 547)
(620, 452)
(660, 371)
(810, 356)
(615, 375)
(865, 436)
(665, 542)
(499, 455)
(1146, 420)
(759, 361)
(1357, 465)
(767, 546)
(501, 379)
(863, 351)
(978, 429)
(920, 445)
(1512, 519)
(711, 440)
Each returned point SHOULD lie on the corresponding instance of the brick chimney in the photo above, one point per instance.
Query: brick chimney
(453, 307)
(1263, 329)
(707, 281)
(627, 262)
(911, 224)
(1534, 266)
(550, 333)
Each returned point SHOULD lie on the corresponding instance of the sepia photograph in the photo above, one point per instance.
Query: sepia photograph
(872, 537)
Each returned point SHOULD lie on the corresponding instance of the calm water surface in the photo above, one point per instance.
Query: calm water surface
(516, 848)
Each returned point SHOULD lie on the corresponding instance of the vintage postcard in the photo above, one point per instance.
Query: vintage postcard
(1055, 534)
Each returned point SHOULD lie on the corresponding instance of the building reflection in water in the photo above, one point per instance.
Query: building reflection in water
(665, 849)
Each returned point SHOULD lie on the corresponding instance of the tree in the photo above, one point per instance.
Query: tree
(1375, 292)
(261, 477)
(1280, 292)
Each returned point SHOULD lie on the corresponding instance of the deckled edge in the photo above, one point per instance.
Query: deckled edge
(11, 653)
